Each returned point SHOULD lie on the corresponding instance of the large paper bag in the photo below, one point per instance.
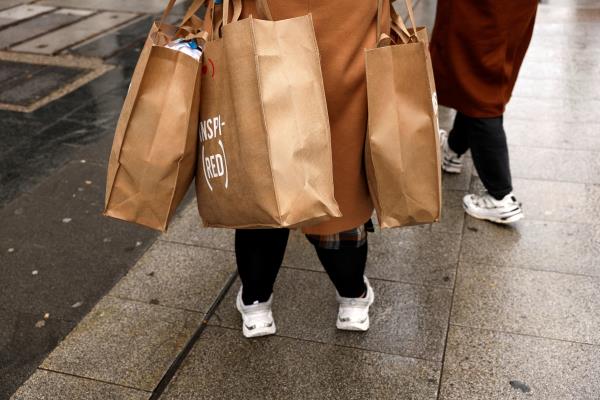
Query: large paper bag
(264, 139)
(153, 158)
(402, 148)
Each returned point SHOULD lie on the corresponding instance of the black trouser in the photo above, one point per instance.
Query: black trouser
(259, 254)
(487, 140)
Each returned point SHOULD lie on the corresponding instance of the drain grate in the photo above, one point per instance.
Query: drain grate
(28, 82)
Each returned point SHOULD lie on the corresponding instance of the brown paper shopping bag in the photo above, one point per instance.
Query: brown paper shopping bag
(402, 148)
(153, 158)
(264, 156)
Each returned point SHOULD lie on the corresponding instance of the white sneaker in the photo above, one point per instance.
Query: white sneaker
(257, 318)
(353, 314)
(451, 162)
(486, 207)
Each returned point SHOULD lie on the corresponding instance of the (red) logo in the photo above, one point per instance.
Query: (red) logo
(205, 68)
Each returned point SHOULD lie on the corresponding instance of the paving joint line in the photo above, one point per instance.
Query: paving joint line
(94, 12)
(525, 267)
(169, 307)
(19, 21)
(526, 335)
(417, 284)
(554, 180)
(176, 364)
(335, 344)
(97, 35)
(460, 249)
(551, 148)
(92, 379)
(195, 245)
(128, 47)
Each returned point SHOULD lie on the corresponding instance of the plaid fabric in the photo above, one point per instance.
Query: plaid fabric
(353, 238)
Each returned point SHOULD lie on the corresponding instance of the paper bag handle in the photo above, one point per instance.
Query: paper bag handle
(396, 23)
(237, 11)
(167, 11)
(194, 7)
(192, 10)
(264, 12)
(209, 18)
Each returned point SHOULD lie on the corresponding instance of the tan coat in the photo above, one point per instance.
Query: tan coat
(344, 28)
(477, 49)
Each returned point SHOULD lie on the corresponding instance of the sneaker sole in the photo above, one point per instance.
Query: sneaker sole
(353, 326)
(504, 221)
(356, 326)
(451, 170)
(258, 332)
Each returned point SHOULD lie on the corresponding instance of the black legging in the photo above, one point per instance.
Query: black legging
(259, 254)
(487, 140)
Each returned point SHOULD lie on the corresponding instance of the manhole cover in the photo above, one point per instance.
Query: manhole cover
(29, 82)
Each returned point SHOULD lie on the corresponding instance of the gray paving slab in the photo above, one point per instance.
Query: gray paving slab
(480, 365)
(460, 181)
(33, 88)
(176, 275)
(565, 109)
(51, 385)
(224, 365)
(116, 41)
(561, 71)
(78, 253)
(406, 320)
(24, 11)
(538, 303)
(543, 245)
(5, 4)
(100, 347)
(561, 56)
(553, 134)
(580, 166)
(26, 338)
(552, 88)
(573, 3)
(70, 35)
(35, 27)
(12, 71)
(139, 6)
(581, 15)
(452, 213)
(579, 43)
(568, 28)
(98, 154)
(555, 201)
(187, 228)
(446, 117)
(411, 255)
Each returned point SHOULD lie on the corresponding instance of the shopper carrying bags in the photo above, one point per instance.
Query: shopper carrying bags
(477, 49)
(344, 29)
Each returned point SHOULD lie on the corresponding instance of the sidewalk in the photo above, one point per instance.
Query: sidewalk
(464, 309)
(58, 255)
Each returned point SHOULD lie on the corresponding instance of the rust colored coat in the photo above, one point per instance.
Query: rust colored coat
(477, 49)
(344, 28)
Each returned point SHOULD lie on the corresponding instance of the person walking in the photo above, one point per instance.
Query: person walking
(344, 28)
(477, 49)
